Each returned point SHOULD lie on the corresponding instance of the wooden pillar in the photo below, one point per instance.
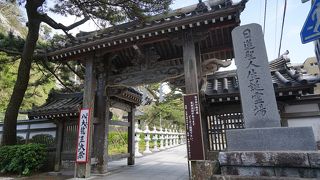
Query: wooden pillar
(192, 70)
(102, 126)
(190, 63)
(131, 133)
(59, 136)
(83, 170)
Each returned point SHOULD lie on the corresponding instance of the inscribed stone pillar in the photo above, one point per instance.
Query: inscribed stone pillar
(83, 170)
(262, 120)
(256, 89)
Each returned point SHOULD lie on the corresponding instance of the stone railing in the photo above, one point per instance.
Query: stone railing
(162, 139)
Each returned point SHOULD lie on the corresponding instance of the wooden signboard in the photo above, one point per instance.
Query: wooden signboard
(83, 136)
(193, 127)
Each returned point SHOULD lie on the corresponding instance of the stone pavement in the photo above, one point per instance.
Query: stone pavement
(170, 164)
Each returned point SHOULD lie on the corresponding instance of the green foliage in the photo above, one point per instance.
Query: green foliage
(171, 109)
(39, 85)
(113, 12)
(22, 159)
(118, 142)
(45, 139)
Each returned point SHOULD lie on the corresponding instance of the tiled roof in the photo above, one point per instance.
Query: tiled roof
(69, 104)
(223, 86)
(178, 20)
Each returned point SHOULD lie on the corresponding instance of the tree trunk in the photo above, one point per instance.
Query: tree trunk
(20, 87)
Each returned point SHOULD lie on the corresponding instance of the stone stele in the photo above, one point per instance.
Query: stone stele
(261, 117)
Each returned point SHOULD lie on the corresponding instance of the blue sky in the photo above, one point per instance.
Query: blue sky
(253, 13)
(295, 17)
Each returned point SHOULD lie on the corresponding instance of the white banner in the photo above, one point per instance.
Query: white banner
(83, 136)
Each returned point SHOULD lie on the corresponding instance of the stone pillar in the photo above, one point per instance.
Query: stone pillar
(147, 140)
(161, 139)
(83, 170)
(131, 137)
(155, 139)
(262, 120)
(137, 140)
(166, 138)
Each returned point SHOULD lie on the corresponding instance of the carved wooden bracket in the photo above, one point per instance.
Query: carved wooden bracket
(147, 76)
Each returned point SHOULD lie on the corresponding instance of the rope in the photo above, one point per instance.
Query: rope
(283, 18)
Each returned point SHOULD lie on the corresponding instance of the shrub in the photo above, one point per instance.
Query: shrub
(22, 159)
(45, 139)
(20, 140)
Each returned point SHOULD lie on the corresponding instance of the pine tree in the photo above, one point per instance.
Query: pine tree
(105, 11)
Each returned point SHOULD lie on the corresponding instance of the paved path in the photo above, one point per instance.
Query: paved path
(170, 164)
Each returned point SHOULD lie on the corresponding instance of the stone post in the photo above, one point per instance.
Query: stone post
(161, 139)
(166, 138)
(155, 139)
(147, 140)
(137, 140)
(171, 138)
(176, 140)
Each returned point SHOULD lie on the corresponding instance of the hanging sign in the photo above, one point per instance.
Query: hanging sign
(83, 136)
(193, 127)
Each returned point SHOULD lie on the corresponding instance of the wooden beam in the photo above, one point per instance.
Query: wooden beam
(119, 123)
(301, 114)
(83, 170)
(147, 76)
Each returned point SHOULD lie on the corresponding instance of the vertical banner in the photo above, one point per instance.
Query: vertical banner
(83, 136)
(193, 127)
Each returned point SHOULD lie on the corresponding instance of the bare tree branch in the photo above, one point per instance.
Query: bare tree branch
(74, 71)
(11, 52)
(45, 65)
(45, 18)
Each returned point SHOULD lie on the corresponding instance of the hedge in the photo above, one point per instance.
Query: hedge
(23, 159)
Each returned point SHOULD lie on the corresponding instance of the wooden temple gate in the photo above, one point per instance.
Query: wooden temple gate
(181, 47)
(63, 110)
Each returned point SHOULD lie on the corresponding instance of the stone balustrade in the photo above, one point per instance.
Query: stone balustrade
(162, 139)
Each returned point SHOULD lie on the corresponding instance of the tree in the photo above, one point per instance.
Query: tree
(112, 12)
(170, 109)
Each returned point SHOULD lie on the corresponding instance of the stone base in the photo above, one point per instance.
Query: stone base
(271, 139)
(280, 164)
(201, 170)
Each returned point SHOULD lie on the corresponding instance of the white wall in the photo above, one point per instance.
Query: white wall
(301, 108)
(302, 122)
(314, 122)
